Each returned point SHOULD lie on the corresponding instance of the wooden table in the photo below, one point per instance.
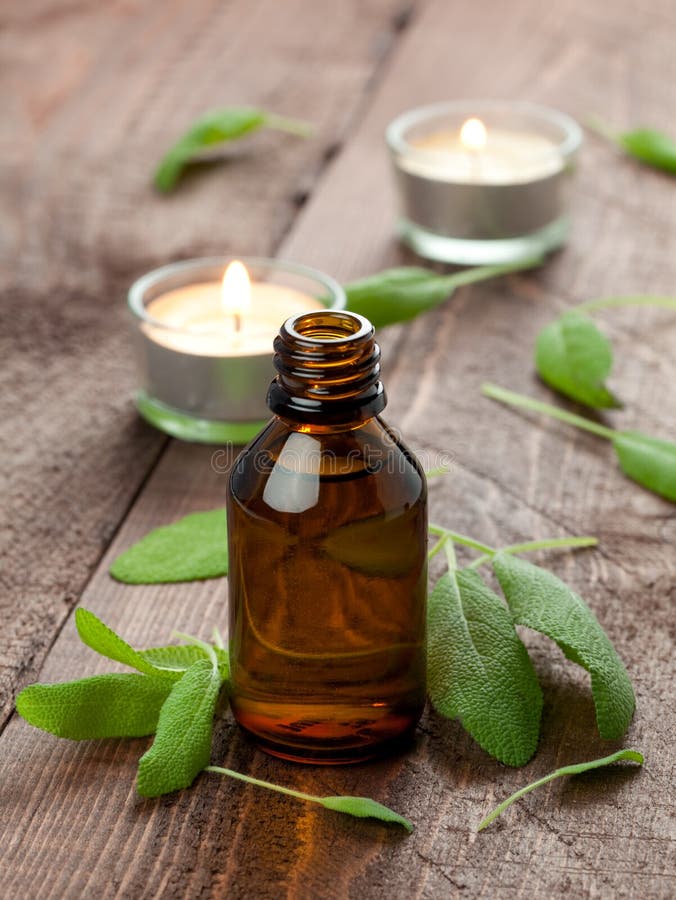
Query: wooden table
(94, 93)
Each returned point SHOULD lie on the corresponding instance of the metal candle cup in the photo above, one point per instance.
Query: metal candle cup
(483, 181)
(205, 369)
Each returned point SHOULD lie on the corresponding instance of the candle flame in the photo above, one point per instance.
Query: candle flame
(236, 291)
(473, 134)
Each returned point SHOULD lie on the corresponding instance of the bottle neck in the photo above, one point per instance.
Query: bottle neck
(328, 370)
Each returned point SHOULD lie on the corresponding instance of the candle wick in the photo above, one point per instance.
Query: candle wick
(238, 322)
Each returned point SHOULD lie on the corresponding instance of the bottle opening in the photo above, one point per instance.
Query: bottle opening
(329, 326)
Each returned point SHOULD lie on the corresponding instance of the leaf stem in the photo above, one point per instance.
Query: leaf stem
(576, 769)
(482, 273)
(532, 546)
(217, 637)
(513, 399)
(632, 300)
(437, 547)
(203, 645)
(594, 123)
(450, 555)
(460, 539)
(249, 779)
(293, 126)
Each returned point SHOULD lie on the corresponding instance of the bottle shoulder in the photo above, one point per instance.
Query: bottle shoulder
(292, 470)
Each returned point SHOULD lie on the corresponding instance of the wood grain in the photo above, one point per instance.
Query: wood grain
(609, 834)
(95, 95)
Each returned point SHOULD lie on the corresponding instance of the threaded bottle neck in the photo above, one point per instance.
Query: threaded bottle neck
(328, 366)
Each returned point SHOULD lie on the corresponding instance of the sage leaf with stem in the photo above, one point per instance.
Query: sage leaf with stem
(362, 807)
(182, 744)
(193, 548)
(165, 662)
(179, 657)
(576, 769)
(539, 600)
(97, 635)
(217, 127)
(647, 145)
(649, 461)
(572, 543)
(479, 670)
(573, 357)
(401, 294)
(104, 706)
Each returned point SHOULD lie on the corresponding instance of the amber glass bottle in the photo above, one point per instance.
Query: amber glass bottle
(327, 521)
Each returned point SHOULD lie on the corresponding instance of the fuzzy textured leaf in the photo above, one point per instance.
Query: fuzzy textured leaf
(179, 657)
(182, 745)
(573, 357)
(194, 548)
(401, 294)
(397, 295)
(212, 128)
(105, 706)
(217, 127)
(575, 769)
(479, 670)
(365, 808)
(362, 807)
(540, 600)
(97, 635)
(654, 148)
(647, 460)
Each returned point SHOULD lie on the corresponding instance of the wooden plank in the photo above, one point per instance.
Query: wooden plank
(604, 835)
(208, 838)
(95, 94)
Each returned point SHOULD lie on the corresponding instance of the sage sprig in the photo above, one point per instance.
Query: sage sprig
(175, 699)
(401, 294)
(361, 807)
(576, 769)
(575, 358)
(649, 461)
(219, 127)
(647, 145)
(478, 669)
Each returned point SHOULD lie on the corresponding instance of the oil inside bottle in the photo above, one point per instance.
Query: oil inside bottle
(327, 591)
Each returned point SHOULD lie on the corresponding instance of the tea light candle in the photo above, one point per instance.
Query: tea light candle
(203, 334)
(483, 182)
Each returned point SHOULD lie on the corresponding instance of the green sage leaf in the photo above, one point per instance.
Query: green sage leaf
(573, 357)
(365, 808)
(577, 769)
(647, 460)
(179, 657)
(194, 548)
(182, 745)
(105, 706)
(97, 635)
(102, 639)
(362, 807)
(217, 127)
(479, 670)
(654, 148)
(401, 294)
(540, 600)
